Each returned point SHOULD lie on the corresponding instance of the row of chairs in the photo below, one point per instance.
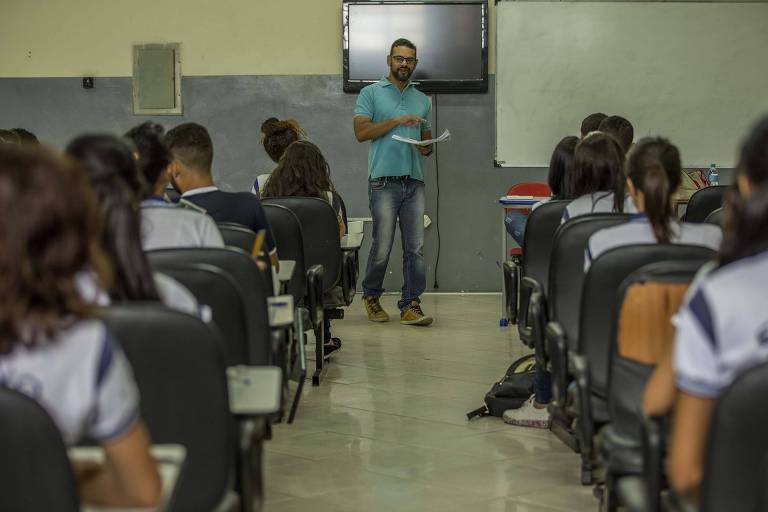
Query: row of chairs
(571, 321)
(181, 363)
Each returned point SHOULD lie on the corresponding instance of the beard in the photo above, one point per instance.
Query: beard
(402, 73)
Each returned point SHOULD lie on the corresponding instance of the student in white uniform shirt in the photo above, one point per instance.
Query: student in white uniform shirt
(598, 178)
(722, 330)
(51, 346)
(110, 167)
(165, 224)
(653, 176)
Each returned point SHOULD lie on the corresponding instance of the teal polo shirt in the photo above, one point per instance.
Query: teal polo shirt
(383, 101)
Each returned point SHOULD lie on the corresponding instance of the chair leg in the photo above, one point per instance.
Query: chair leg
(319, 354)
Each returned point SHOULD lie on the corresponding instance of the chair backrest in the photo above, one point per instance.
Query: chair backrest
(216, 289)
(178, 364)
(241, 267)
(236, 235)
(530, 188)
(599, 305)
(290, 245)
(716, 217)
(36, 474)
(566, 268)
(628, 376)
(737, 450)
(704, 202)
(539, 237)
(320, 231)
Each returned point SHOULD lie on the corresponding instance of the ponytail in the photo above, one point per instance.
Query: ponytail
(654, 169)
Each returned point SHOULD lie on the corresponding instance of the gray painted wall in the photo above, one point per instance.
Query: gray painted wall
(232, 107)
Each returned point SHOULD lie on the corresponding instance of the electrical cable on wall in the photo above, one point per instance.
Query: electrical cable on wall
(437, 185)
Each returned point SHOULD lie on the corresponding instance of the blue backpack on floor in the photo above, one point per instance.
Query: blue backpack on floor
(514, 388)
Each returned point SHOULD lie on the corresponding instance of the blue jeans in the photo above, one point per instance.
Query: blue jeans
(515, 222)
(542, 385)
(390, 201)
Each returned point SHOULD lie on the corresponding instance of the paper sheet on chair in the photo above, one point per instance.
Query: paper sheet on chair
(446, 135)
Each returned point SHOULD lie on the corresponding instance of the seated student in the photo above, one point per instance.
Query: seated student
(276, 135)
(591, 123)
(653, 176)
(721, 330)
(52, 347)
(598, 177)
(26, 137)
(110, 167)
(620, 129)
(304, 172)
(192, 157)
(560, 165)
(165, 224)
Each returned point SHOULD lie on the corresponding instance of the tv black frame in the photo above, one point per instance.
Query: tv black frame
(460, 86)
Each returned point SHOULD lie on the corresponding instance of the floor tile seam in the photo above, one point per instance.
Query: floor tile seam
(407, 416)
(523, 500)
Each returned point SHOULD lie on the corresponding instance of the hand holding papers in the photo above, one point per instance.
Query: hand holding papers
(446, 135)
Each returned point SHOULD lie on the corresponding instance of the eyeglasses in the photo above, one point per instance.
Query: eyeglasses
(400, 59)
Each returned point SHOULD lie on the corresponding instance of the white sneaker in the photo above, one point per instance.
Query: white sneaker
(528, 416)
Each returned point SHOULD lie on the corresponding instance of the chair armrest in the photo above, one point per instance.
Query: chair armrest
(653, 460)
(510, 274)
(255, 390)
(558, 353)
(586, 423)
(348, 276)
(281, 311)
(314, 300)
(528, 287)
(299, 364)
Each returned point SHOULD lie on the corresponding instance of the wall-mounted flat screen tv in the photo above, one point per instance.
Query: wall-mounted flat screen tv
(451, 38)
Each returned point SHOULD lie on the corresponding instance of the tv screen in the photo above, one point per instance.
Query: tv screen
(451, 38)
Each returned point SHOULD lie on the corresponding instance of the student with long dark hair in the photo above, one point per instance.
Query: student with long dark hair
(52, 346)
(304, 172)
(111, 169)
(722, 328)
(558, 179)
(653, 176)
(276, 136)
(598, 177)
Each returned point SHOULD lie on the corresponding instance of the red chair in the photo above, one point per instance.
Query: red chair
(533, 188)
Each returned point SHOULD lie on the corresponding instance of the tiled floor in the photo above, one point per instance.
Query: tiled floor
(386, 429)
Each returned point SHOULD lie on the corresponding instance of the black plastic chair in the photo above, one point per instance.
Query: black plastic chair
(236, 235)
(621, 440)
(179, 367)
(716, 218)
(36, 474)
(534, 273)
(246, 274)
(703, 202)
(290, 245)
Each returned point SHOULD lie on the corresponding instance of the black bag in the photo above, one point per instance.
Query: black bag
(511, 391)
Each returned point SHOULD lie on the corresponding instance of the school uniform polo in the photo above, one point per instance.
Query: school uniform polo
(81, 378)
(640, 231)
(167, 225)
(383, 101)
(239, 207)
(596, 202)
(722, 331)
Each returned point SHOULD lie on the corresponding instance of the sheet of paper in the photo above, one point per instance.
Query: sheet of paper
(446, 135)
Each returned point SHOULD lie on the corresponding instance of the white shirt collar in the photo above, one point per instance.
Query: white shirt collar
(201, 190)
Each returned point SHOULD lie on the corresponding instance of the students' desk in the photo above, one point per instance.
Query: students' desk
(170, 458)
(511, 203)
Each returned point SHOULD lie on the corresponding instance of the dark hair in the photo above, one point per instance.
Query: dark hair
(591, 123)
(25, 136)
(277, 135)
(110, 166)
(191, 144)
(598, 165)
(402, 42)
(620, 129)
(654, 168)
(302, 171)
(46, 243)
(9, 137)
(745, 230)
(154, 156)
(561, 168)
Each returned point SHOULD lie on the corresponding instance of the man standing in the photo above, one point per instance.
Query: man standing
(395, 180)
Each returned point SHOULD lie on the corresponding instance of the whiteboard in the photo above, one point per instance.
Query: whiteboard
(696, 73)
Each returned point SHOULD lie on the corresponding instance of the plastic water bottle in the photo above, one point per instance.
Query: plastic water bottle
(714, 177)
